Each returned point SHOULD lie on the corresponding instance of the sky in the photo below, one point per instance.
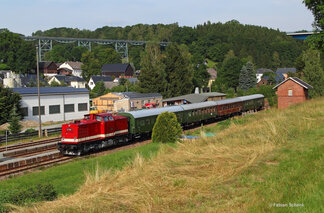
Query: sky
(28, 16)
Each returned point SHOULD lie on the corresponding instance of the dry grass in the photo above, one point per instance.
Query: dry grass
(196, 176)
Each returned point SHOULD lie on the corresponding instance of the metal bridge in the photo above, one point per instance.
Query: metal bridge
(45, 44)
(302, 35)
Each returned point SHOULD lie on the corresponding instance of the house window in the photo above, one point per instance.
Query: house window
(69, 108)
(290, 92)
(54, 109)
(24, 111)
(82, 107)
(35, 110)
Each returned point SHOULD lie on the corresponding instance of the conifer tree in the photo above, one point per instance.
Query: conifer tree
(179, 70)
(166, 128)
(313, 73)
(243, 79)
(14, 125)
(251, 75)
(152, 77)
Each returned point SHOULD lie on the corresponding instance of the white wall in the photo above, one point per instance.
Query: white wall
(47, 100)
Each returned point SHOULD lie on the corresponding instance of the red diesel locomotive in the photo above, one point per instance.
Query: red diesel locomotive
(94, 132)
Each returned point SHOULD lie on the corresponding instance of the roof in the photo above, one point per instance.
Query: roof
(199, 105)
(135, 95)
(68, 79)
(75, 64)
(114, 67)
(49, 90)
(45, 64)
(212, 72)
(250, 97)
(296, 80)
(31, 78)
(152, 112)
(97, 78)
(110, 84)
(263, 70)
(195, 98)
(286, 70)
(228, 101)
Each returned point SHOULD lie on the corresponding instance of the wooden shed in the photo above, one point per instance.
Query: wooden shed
(291, 91)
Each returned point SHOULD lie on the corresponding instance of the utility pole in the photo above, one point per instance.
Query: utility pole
(40, 133)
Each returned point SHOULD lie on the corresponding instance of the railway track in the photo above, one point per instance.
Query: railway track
(21, 169)
(29, 144)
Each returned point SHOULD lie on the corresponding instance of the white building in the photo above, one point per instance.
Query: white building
(74, 67)
(73, 81)
(260, 72)
(95, 79)
(57, 103)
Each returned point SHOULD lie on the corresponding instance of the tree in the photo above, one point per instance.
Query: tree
(94, 60)
(152, 77)
(179, 70)
(98, 90)
(243, 79)
(17, 54)
(275, 60)
(166, 128)
(14, 125)
(271, 77)
(201, 76)
(8, 100)
(317, 8)
(313, 72)
(251, 75)
(229, 73)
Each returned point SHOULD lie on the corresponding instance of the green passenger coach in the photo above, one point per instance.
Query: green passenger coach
(142, 122)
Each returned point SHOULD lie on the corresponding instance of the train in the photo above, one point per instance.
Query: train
(99, 130)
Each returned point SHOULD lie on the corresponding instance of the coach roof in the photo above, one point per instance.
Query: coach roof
(153, 112)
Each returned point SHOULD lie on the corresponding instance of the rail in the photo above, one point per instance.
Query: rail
(25, 135)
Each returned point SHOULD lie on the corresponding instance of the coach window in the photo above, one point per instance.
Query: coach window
(98, 118)
(111, 118)
(105, 118)
(142, 123)
(148, 121)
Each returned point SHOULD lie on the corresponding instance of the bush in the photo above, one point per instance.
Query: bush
(166, 128)
(3, 132)
(41, 192)
(30, 130)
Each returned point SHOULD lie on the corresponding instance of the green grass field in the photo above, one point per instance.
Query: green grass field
(271, 161)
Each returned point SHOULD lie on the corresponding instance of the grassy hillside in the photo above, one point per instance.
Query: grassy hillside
(270, 161)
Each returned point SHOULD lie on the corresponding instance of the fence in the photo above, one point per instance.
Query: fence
(26, 135)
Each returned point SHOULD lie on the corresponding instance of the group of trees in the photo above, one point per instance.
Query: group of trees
(15, 53)
(169, 73)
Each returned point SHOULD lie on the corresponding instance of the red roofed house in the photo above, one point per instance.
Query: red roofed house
(291, 91)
